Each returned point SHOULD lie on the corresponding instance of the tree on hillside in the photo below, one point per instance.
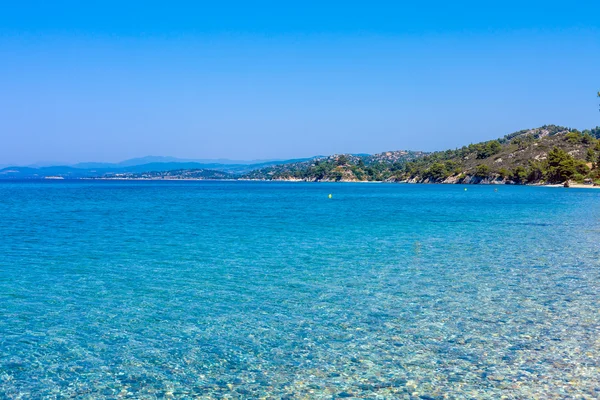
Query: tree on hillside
(560, 166)
(482, 171)
(342, 160)
(535, 171)
(518, 174)
(437, 172)
(587, 138)
(590, 155)
(489, 149)
(573, 137)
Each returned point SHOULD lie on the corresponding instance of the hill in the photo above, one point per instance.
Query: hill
(341, 167)
(191, 174)
(161, 160)
(131, 168)
(549, 154)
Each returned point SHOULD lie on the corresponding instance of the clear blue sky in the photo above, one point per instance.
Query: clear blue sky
(106, 81)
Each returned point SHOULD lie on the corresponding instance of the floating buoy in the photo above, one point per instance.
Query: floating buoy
(465, 189)
(330, 196)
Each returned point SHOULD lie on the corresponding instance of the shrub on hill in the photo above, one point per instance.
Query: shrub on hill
(519, 175)
(573, 137)
(437, 172)
(489, 149)
(482, 171)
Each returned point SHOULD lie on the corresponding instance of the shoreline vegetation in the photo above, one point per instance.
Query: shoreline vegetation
(570, 186)
(550, 155)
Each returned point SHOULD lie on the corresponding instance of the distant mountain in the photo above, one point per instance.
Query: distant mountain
(99, 170)
(95, 165)
(41, 164)
(166, 160)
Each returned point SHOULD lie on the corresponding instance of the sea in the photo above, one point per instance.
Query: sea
(267, 290)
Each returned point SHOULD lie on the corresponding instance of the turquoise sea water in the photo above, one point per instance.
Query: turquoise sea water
(250, 290)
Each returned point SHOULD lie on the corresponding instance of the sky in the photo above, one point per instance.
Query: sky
(108, 81)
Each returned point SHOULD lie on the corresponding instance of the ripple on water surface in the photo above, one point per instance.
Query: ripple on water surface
(248, 290)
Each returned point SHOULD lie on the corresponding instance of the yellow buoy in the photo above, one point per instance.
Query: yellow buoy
(330, 196)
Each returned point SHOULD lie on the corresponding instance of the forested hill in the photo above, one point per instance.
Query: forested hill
(549, 154)
(341, 167)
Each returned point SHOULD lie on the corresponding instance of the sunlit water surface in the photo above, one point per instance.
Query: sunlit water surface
(249, 290)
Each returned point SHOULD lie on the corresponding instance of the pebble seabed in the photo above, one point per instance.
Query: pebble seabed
(431, 305)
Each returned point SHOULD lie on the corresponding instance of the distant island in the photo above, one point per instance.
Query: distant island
(547, 155)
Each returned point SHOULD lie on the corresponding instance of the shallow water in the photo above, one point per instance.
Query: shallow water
(249, 290)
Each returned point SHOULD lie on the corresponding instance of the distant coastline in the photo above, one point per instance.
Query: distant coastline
(572, 185)
(548, 155)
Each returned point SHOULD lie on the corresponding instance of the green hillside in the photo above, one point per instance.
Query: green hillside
(549, 154)
(342, 167)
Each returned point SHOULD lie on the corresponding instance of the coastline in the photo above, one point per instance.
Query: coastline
(489, 183)
(572, 185)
